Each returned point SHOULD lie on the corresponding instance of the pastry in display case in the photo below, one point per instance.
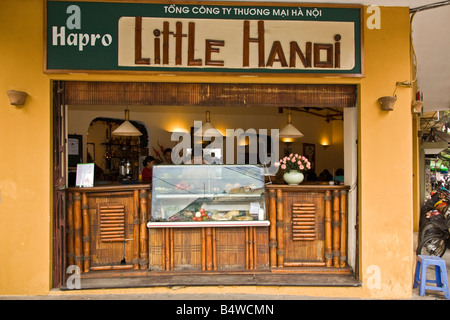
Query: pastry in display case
(202, 194)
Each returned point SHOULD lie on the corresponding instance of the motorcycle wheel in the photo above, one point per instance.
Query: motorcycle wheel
(432, 245)
(427, 230)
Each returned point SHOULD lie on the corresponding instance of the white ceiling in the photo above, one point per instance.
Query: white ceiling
(430, 32)
(431, 40)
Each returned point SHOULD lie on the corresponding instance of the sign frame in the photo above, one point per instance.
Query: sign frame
(357, 71)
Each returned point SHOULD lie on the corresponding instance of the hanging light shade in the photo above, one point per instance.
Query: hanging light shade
(289, 131)
(206, 126)
(126, 128)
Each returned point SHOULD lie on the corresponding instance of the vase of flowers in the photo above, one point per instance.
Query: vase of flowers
(294, 165)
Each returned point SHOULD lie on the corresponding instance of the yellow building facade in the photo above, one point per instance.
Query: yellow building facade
(385, 163)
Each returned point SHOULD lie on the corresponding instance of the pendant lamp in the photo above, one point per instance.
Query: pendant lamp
(206, 126)
(126, 128)
(289, 131)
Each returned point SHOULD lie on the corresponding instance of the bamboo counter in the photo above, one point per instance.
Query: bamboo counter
(106, 227)
(306, 227)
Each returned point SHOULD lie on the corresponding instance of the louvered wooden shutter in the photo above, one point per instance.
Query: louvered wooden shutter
(112, 223)
(304, 221)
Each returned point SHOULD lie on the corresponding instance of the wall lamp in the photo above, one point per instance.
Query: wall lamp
(387, 102)
(17, 98)
(417, 105)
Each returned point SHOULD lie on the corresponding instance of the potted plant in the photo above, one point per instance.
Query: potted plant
(294, 165)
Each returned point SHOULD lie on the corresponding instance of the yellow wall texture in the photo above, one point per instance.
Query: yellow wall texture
(385, 163)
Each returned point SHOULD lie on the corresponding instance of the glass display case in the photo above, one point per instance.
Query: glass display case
(208, 195)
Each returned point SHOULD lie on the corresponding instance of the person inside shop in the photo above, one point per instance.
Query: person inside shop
(311, 175)
(98, 172)
(147, 172)
(325, 175)
(197, 160)
(339, 176)
(167, 156)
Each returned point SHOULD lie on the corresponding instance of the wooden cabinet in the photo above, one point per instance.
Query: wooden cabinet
(232, 234)
(106, 227)
(308, 225)
(109, 229)
(209, 249)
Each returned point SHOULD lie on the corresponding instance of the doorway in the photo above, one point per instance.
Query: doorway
(335, 104)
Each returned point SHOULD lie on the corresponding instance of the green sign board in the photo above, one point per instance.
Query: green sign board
(203, 37)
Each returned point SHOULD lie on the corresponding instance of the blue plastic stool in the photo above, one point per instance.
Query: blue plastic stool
(421, 275)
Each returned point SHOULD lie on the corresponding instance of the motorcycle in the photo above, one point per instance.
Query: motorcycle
(436, 239)
(437, 205)
(434, 233)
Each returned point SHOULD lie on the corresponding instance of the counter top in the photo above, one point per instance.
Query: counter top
(111, 186)
(114, 186)
(204, 224)
(308, 187)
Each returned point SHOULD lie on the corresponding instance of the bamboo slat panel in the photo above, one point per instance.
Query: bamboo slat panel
(336, 228)
(143, 231)
(208, 249)
(343, 244)
(70, 232)
(231, 246)
(262, 248)
(280, 229)
(172, 249)
(86, 233)
(314, 225)
(303, 221)
(328, 237)
(78, 229)
(273, 228)
(112, 223)
(303, 245)
(103, 232)
(136, 229)
(156, 247)
(112, 229)
(210, 94)
(187, 249)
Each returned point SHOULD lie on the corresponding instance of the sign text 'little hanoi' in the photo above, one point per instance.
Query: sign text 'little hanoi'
(315, 55)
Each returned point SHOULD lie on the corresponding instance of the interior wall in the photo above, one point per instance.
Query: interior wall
(160, 121)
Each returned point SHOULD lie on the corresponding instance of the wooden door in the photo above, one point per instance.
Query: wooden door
(303, 222)
(59, 185)
(112, 228)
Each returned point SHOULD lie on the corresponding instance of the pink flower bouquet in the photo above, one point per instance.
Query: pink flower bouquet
(294, 162)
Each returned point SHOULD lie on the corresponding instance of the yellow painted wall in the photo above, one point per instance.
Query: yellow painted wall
(385, 169)
(386, 158)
